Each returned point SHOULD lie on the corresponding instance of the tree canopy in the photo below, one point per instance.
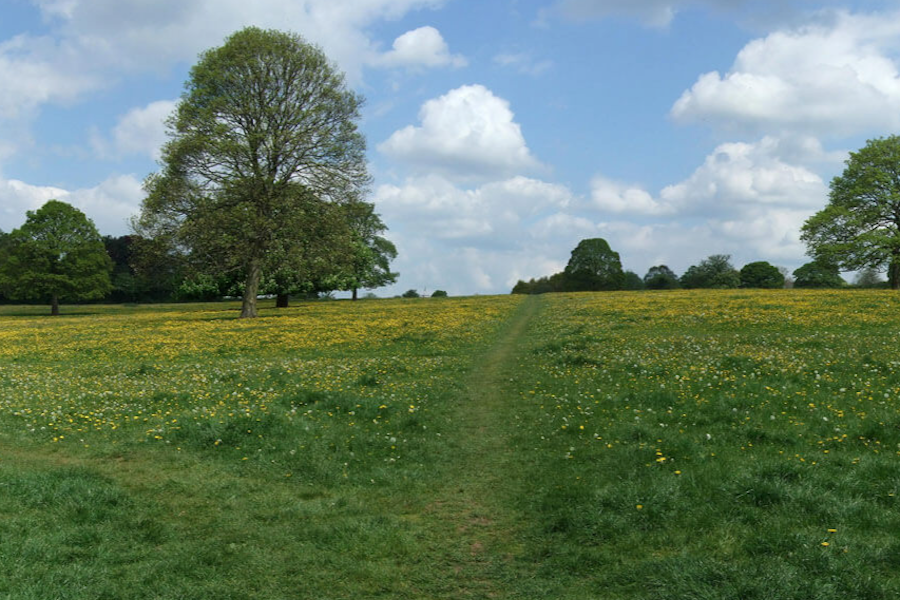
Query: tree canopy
(661, 277)
(860, 226)
(265, 130)
(56, 255)
(594, 266)
(714, 271)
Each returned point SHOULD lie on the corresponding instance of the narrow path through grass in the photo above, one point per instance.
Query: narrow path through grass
(470, 512)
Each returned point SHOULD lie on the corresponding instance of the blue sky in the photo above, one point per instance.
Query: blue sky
(500, 132)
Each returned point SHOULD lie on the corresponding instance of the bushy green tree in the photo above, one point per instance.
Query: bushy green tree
(860, 226)
(715, 272)
(761, 274)
(411, 294)
(265, 129)
(661, 277)
(56, 255)
(818, 274)
(594, 266)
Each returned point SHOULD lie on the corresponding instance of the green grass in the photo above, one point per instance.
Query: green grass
(656, 445)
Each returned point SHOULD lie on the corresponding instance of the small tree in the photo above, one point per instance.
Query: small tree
(411, 294)
(761, 274)
(372, 253)
(661, 278)
(594, 266)
(439, 294)
(869, 278)
(56, 255)
(818, 274)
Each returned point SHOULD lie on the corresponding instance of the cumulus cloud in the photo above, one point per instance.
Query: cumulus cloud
(617, 198)
(140, 131)
(732, 178)
(109, 205)
(95, 41)
(490, 215)
(746, 199)
(738, 175)
(836, 78)
(468, 134)
(422, 47)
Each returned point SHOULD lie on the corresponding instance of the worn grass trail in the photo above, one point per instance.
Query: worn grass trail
(469, 513)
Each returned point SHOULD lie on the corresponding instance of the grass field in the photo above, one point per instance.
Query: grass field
(734, 444)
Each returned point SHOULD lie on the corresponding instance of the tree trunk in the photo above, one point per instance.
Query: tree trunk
(354, 293)
(894, 272)
(54, 306)
(282, 300)
(251, 290)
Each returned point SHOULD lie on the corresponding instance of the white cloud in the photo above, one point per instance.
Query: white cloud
(838, 78)
(109, 205)
(140, 131)
(657, 13)
(732, 178)
(746, 199)
(422, 47)
(523, 63)
(491, 215)
(617, 198)
(95, 41)
(468, 134)
(737, 175)
(661, 13)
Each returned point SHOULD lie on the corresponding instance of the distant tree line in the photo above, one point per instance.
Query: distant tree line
(594, 266)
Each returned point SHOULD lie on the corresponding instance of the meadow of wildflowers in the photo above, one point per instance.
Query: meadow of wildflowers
(692, 444)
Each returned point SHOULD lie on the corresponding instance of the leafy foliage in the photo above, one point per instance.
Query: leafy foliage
(56, 255)
(860, 226)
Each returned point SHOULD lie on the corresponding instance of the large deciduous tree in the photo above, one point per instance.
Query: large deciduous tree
(56, 255)
(264, 131)
(594, 266)
(860, 226)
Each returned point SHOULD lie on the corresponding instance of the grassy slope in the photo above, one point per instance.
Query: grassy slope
(681, 445)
